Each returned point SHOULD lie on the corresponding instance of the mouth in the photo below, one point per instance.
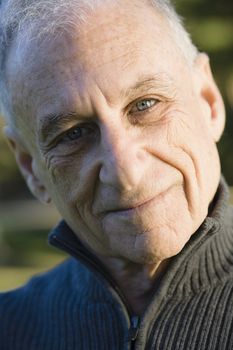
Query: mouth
(139, 207)
(131, 208)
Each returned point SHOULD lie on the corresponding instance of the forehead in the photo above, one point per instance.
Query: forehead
(115, 45)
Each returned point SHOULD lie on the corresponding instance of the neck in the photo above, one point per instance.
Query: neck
(136, 282)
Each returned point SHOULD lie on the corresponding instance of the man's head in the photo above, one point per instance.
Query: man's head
(37, 19)
(118, 124)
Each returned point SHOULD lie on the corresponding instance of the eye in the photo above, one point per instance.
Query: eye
(143, 105)
(76, 133)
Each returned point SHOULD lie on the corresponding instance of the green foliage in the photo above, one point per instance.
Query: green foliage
(12, 185)
(7, 163)
(24, 254)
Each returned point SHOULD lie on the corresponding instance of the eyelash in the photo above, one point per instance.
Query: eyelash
(83, 127)
(146, 110)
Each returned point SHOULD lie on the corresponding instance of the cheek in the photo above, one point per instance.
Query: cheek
(189, 134)
(72, 179)
(62, 175)
(198, 143)
(186, 145)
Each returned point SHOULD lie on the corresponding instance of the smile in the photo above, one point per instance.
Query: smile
(139, 208)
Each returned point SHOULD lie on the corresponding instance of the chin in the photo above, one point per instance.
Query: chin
(152, 248)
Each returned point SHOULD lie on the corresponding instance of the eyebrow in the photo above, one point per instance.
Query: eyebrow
(52, 123)
(161, 82)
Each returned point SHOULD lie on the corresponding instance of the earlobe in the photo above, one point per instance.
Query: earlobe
(210, 95)
(26, 164)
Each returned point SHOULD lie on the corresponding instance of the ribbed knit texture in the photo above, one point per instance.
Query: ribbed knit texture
(64, 309)
(75, 306)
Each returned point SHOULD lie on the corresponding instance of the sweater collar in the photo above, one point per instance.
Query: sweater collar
(205, 258)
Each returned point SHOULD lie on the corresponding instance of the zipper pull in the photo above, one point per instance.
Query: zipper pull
(134, 328)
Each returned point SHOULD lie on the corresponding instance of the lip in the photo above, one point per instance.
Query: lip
(138, 207)
(132, 208)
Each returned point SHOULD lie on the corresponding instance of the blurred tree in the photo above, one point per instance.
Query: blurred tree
(12, 185)
(210, 23)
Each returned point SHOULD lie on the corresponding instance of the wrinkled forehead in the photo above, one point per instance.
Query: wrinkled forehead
(101, 24)
(107, 39)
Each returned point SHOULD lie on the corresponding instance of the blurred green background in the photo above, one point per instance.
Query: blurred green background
(24, 223)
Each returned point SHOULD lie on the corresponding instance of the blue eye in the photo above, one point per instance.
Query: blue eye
(75, 133)
(143, 105)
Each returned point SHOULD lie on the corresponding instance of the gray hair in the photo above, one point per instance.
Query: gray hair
(50, 17)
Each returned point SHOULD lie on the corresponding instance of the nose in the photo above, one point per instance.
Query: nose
(123, 160)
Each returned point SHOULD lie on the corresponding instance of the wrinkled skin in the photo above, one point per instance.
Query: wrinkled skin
(132, 163)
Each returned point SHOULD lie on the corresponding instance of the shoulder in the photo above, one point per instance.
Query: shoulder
(229, 215)
(42, 284)
(38, 304)
(39, 313)
(49, 291)
(34, 294)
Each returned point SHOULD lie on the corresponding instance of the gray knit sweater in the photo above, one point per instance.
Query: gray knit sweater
(77, 306)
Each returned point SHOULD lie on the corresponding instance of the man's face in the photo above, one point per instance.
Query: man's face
(121, 133)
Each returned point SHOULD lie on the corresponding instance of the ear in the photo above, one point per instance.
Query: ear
(213, 105)
(26, 164)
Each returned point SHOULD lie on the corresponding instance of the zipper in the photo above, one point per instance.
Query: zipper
(134, 329)
(92, 262)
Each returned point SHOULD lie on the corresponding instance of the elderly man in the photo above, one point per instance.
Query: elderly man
(114, 116)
